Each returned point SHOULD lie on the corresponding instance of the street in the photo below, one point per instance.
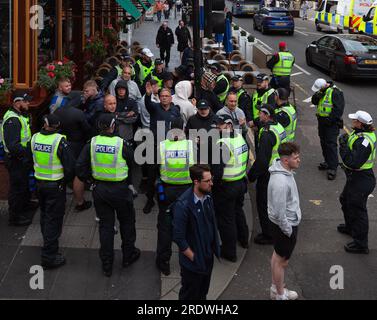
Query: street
(319, 254)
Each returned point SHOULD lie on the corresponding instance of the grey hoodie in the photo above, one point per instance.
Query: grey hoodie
(283, 199)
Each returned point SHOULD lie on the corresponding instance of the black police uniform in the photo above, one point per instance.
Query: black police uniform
(52, 199)
(328, 127)
(112, 198)
(360, 184)
(259, 171)
(19, 165)
(229, 199)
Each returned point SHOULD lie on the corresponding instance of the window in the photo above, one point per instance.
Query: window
(361, 44)
(333, 44)
(5, 38)
(323, 41)
(48, 36)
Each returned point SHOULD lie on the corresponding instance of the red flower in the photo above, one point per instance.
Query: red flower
(65, 60)
(51, 75)
(51, 67)
(60, 63)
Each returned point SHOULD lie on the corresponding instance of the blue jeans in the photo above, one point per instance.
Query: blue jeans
(159, 16)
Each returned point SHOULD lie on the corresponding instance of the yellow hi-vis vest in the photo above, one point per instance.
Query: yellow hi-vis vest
(47, 165)
(160, 82)
(176, 159)
(235, 168)
(371, 137)
(144, 71)
(284, 66)
(222, 96)
(258, 101)
(25, 128)
(291, 128)
(107, 159)
(280, 134)
(325, 105)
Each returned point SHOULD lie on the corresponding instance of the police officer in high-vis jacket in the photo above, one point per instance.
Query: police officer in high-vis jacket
(358, 153)
(329, 100)
(143, 69)
(15, 135)
(271, 135)
(222, 83)
(106, 159)
(281, 64)
(176, 157)
(54, 165)
(285, 113)
(230, 185)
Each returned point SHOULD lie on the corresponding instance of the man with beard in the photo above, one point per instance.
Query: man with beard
(195, 232)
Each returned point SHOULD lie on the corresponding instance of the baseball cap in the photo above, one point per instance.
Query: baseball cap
(220, 119)
(125, 56)
(362, 116)
(51, 120)
(147, 52)
(202, 104)
(236, 78)
(106, 120)
(319, 84)
(158, 61)
(209, 77)
(216, 67)
(268, 109)
(22, 97)
(282, 44)
(262, 77)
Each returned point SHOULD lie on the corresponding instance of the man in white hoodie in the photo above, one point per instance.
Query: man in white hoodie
(285, 214)
(183, 90)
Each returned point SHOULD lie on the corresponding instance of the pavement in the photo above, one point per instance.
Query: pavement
(319, 249)
(81, 278)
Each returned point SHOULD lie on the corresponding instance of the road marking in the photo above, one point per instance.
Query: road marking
(307, 100)
(303, 70)
(306, 35)
(304, 28)
(266, 45)
(296, 74)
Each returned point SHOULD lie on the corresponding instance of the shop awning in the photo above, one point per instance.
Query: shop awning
(151, 2)
(130, 8)
(143, 5)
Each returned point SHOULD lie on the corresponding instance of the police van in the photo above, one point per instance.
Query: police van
(356, 16)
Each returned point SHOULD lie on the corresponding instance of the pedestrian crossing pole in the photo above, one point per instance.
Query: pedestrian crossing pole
(197, 43)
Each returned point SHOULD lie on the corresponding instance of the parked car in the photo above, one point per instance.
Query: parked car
(344, 55)
(274, 19)
(245, 7)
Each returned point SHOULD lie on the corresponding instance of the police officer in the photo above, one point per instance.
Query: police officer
(230, 186)
(358, 153)
(285, 113)
(177, 155)
(143, 69)
(329, 100)
(222, 83)
(243, 98)
(16, 135)
(158, 73)
(263, 95)
(106, 158)
(54, 165)
(271, 135)
(281, 64)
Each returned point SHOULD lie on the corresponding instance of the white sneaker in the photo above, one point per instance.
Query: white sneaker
(290, 294)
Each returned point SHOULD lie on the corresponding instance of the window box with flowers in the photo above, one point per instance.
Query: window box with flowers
(5, 91)
(49, 75)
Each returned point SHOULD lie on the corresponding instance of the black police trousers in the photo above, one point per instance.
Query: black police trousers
(328, 135)
(354, 204)
(165, 54)
(164, 222)
(195, 286)
(19, 194)
(52, 198)
(281, 82)
(261, 198)
(231, 221)
(110, 199)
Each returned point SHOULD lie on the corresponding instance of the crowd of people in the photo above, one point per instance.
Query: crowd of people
(199, 194)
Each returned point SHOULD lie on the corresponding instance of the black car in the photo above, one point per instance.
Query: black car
(344, 55)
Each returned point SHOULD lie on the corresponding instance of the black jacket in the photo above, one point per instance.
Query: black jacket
(183, 35)
(83, 164)
(65, 155)
(220, 86)
(12, 139)
(264, 153)
(337, 100)
(282, 117)
(197, 122)
(212, 99)
(165, 38)
(110, 77)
